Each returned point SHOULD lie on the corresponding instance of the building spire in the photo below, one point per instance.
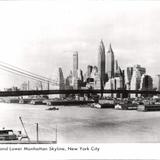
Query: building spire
(102, 47)
(110, 62)
(110, 48)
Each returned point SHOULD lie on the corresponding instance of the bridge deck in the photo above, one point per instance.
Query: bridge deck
(46, 92)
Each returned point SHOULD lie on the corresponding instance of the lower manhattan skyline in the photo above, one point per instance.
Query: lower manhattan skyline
(42, 42)
(80, 79)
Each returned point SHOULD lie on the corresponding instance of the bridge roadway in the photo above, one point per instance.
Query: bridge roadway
(84, 91)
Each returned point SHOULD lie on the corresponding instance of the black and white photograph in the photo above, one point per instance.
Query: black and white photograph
(79, 72)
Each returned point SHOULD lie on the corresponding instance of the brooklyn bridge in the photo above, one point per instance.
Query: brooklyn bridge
(38, 78)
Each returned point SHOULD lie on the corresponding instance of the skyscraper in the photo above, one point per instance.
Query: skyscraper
(68, 84)
(128, 76)
(157, 82)
(110, 62)
(80, 75)
(141, 69)
(75, 63)
(75, 70)
(117, 69)
(136, 79)
(61, 81)
(101, 62)
(89, 70)
(146, 83)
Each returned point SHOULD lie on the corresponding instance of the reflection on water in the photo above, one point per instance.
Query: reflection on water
(82, 124)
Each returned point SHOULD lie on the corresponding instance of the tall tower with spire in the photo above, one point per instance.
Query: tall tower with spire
(75, 63)
(110, 62)
(101, 62)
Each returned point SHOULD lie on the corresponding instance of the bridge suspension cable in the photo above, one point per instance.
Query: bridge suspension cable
(21, 72)
(18, 74)
(17, 68)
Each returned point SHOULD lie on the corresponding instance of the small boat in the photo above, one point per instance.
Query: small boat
(9, 134)
(52, 109)
(96, 105)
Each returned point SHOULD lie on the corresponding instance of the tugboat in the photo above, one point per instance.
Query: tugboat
(52, 109)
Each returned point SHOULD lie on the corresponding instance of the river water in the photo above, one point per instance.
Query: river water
(77, 124)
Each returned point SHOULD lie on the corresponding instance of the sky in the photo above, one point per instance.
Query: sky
(40, 36)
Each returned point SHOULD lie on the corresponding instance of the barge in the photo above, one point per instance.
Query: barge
(148, 107)
(126, 105)
(106, 103)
